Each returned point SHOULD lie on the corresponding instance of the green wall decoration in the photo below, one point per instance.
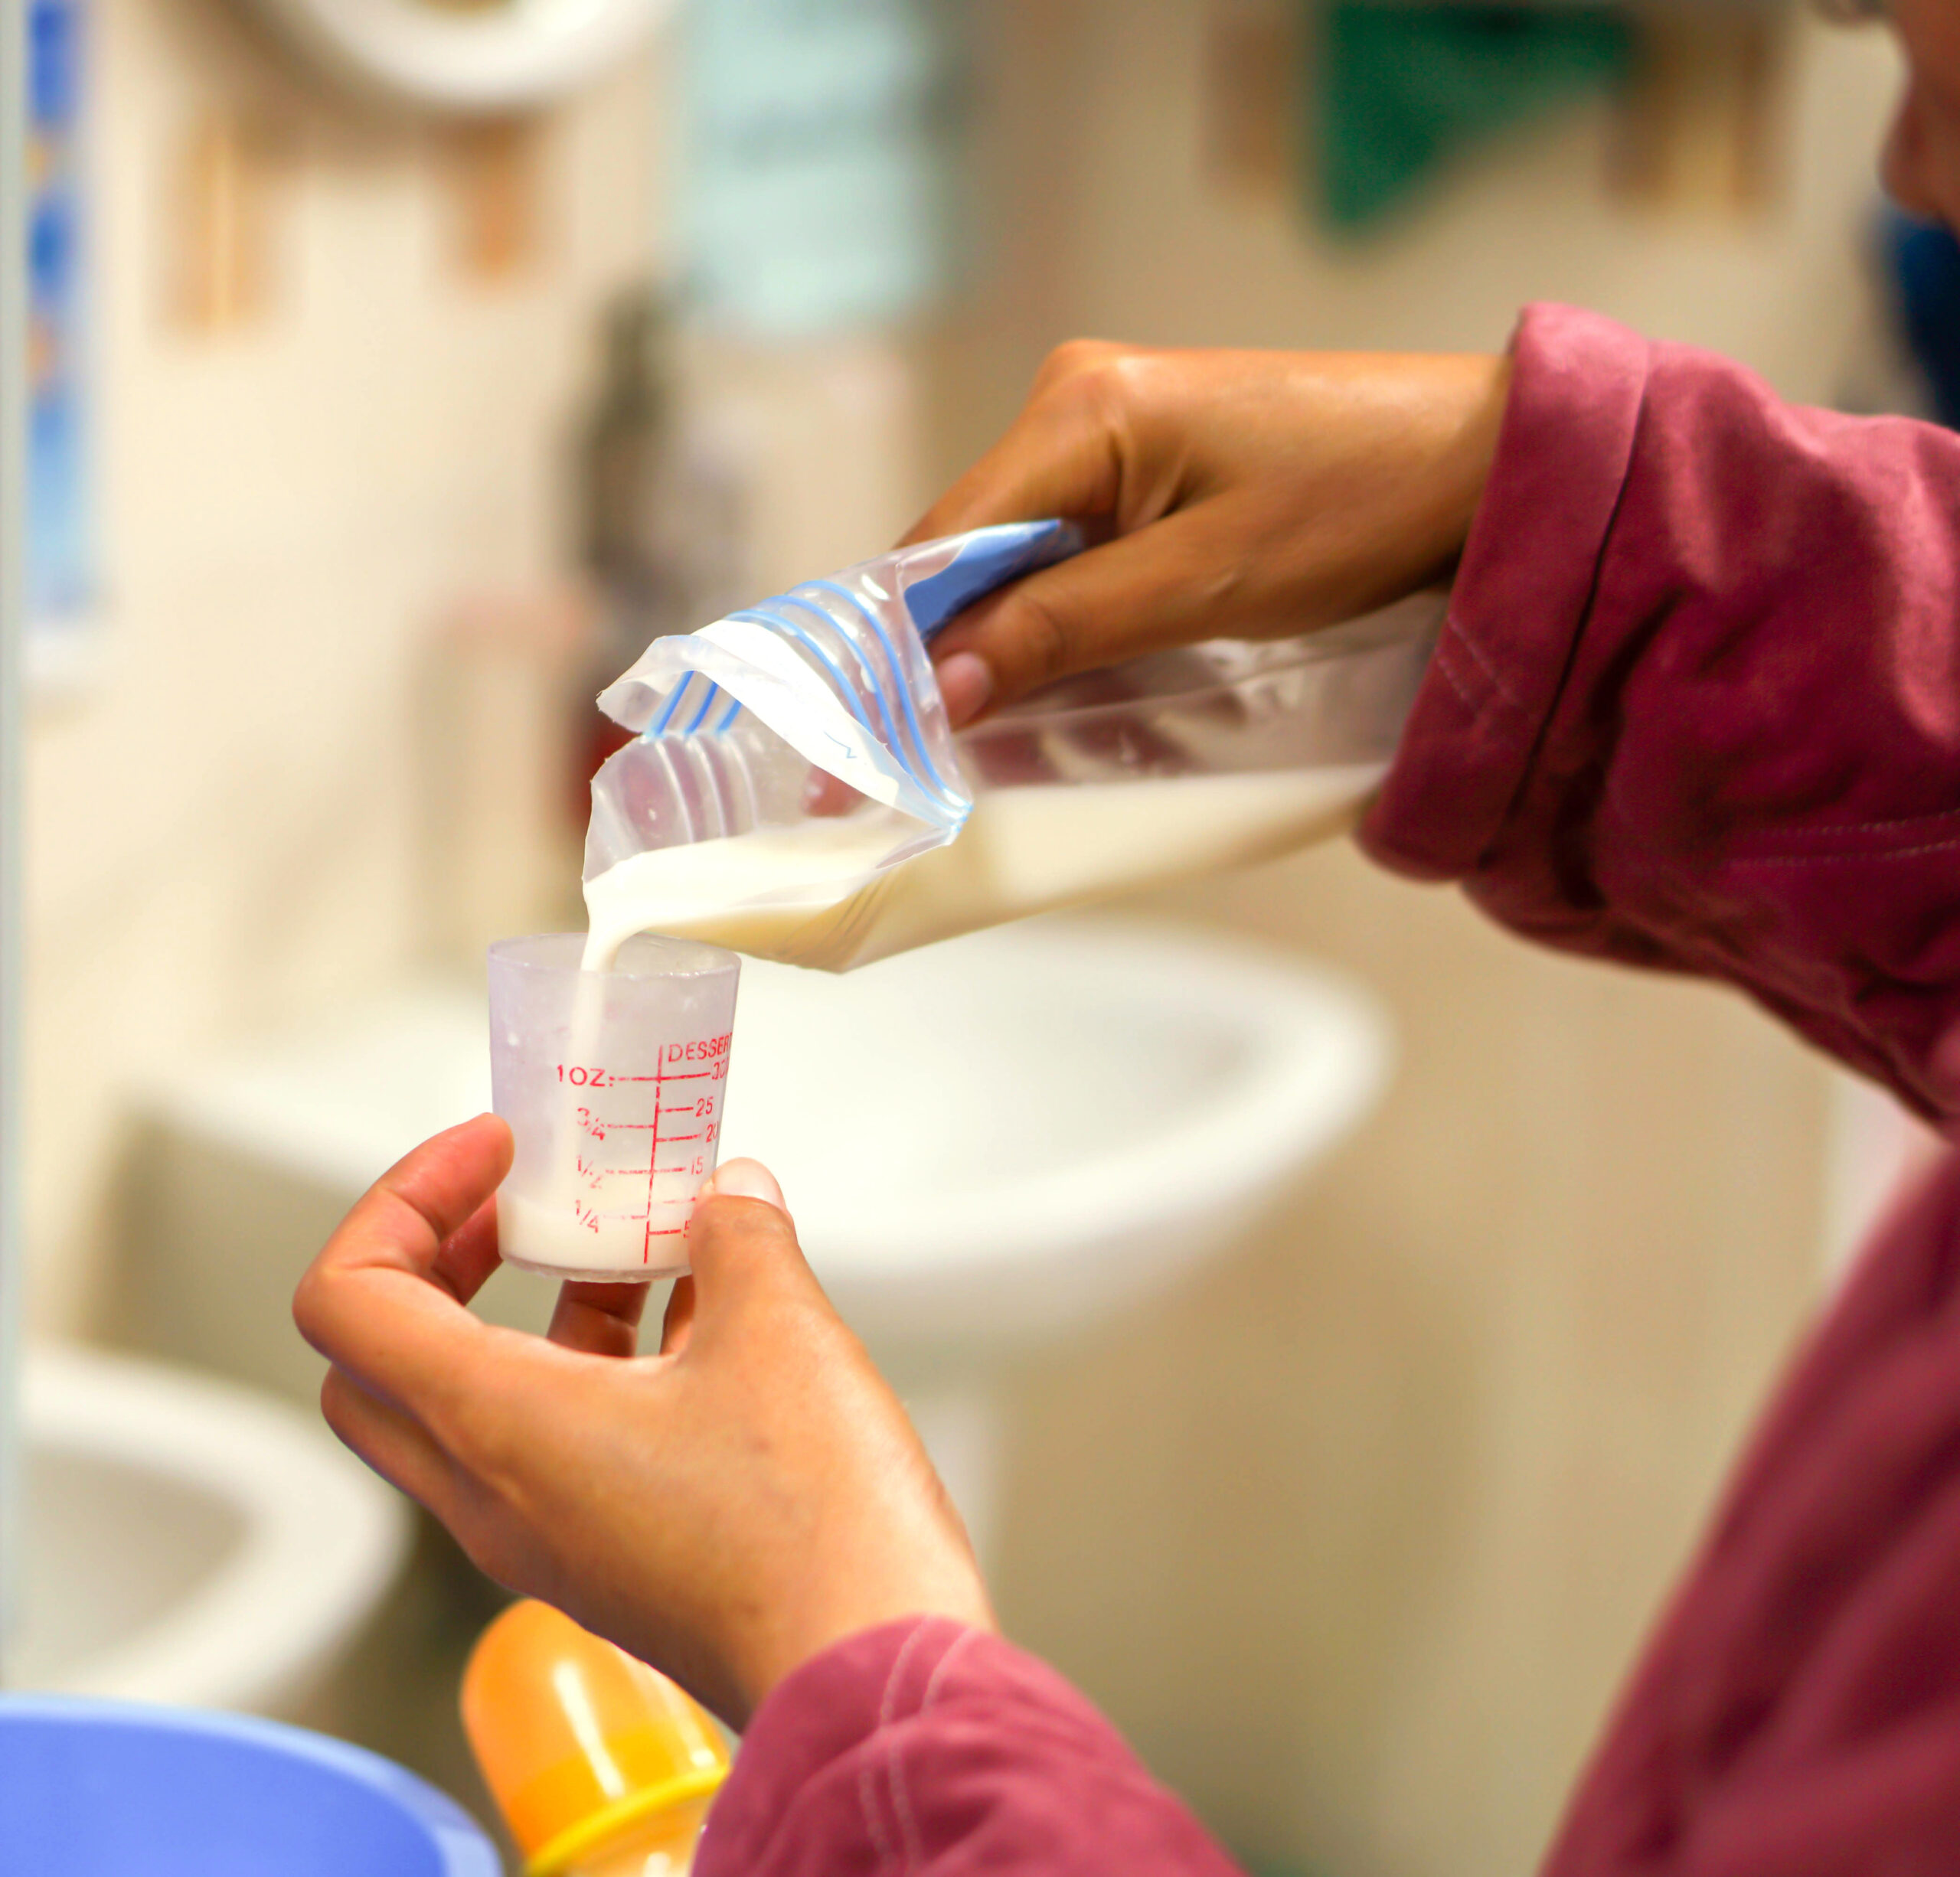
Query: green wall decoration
(1403, 89)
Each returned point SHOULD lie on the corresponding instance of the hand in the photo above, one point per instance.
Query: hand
(1233, 495)
(724, 1510)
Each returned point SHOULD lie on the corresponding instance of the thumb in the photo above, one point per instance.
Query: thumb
(744, 1180)
(741, 1241)
(1158, 588)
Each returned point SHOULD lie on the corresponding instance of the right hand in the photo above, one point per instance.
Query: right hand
(1233, 494)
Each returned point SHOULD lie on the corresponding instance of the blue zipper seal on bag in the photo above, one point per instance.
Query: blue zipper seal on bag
(986, 560)
(938, 785)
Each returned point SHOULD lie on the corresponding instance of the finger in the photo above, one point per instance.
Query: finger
(1062, 456)
(447, 1179)
(741, 1242)
(739, 1178)
(678, 1324)
(1175, 582)
(469, 1254)
(391, 1443)
(825, 795)
(966, 686)
(598, 1319)
(744, 1178)
(379, 1301)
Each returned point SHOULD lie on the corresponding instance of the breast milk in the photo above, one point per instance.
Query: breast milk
(1171, 765)
(1022, 851)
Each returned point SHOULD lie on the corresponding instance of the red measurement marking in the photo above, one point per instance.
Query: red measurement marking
(652, 1173)
(597, 1127)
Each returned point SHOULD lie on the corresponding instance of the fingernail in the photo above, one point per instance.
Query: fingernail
(966, 682)
(744, 1180)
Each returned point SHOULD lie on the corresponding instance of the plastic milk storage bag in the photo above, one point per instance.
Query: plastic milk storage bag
(797, 793)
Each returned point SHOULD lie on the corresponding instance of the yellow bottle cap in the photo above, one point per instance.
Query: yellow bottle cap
(582, 1746)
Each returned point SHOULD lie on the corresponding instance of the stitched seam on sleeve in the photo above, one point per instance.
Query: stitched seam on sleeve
(901, 1799)
(1612, 798)
(1540, 721)
(1642, 417)
(959, 1642)
(1885, 824)
(1453, 622)
(866, 1798)
(1840, 859)
(874, 1826)
(1635, 836)
(901, 1793)
(1441, 658)
(1453, 629)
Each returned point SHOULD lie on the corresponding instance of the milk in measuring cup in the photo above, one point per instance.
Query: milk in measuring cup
(632, 1153)
(612, 1082)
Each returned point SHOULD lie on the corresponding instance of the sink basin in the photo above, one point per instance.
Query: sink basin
(988, 1145)
(189, 1541)
(993, 1143)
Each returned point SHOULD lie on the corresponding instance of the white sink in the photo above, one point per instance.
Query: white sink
(987, 1144)
(993, 1143)
(189, 1541)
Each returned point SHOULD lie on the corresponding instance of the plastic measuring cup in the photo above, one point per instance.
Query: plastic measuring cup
(612, 1083)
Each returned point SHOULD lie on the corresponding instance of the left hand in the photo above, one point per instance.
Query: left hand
(724, 1510)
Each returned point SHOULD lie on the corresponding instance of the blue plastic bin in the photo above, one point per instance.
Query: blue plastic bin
(111, 1789)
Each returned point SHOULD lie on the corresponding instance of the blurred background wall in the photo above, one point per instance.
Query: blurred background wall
(1355, 1539)
(318, 441)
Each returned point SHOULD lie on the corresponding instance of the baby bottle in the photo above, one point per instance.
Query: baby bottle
(601, 1766)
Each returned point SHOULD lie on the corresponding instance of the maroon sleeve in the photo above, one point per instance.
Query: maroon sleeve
(1697, 705)
(1797, 1714)
(927, 1747)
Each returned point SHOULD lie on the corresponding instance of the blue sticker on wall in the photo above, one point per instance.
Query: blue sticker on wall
(60, 547)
